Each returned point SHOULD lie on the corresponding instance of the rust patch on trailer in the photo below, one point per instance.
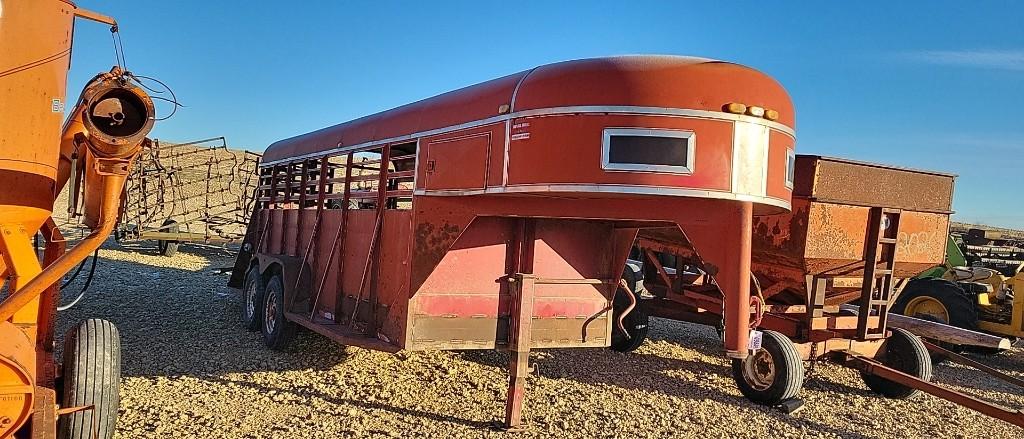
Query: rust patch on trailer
(838, 231)
(430, 243)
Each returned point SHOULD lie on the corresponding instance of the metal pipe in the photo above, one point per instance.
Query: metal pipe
(111, 119)
(734, 280)
(629, 309)
(957, 358)
(867, 365)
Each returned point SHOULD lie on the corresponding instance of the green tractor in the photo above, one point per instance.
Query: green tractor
(976, 298)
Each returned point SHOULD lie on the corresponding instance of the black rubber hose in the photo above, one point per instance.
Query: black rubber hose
(88, 282)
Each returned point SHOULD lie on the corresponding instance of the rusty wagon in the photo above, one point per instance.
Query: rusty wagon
(824, 276)
(501, 215)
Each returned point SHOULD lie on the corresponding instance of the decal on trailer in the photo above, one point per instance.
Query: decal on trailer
(520, 131)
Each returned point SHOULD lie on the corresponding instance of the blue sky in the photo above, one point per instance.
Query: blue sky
(934, 85)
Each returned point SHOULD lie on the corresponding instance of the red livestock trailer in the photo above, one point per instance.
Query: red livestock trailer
(501, 215)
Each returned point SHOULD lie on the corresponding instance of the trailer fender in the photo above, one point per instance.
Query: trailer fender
(294, 272)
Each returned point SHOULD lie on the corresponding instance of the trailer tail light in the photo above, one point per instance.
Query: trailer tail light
(771, 115)
(755, 111)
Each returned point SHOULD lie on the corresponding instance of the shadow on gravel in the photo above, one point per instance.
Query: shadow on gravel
(652, 374)
(1011, 363)
(149, 248)
(308, 392)
(177, 317)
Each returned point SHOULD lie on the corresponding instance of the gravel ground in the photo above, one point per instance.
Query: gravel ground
(190, 370)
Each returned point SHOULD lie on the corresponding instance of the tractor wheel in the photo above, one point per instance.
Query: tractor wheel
(906, 353)
(92, 376)
(773, 373)
(938, 300)
(636, 323)
(277, 330)
(168, 247)
(253, 296)
(941, 301)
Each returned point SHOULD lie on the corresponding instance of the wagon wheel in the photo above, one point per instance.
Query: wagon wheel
(253, 296)
(771, 374)
(168, 247)
(92, 376)
(906, 353)
(277, 330)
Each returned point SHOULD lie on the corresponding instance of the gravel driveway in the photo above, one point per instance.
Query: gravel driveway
(192, 371)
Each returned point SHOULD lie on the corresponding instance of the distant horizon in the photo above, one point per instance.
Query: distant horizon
(878, 87)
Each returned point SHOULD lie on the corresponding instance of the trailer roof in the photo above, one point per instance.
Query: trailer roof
(673, 82)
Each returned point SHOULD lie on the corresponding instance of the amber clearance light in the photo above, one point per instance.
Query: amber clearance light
(738, 108)
(735, 108)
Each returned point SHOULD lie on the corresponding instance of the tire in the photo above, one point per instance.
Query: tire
(278, 332)
(253, 296)
(168, 248)
(959, 307)
(773, 374)
(92, 376)
(636, 322)
(906, 353)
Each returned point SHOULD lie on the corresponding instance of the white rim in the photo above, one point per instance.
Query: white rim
(759, 370)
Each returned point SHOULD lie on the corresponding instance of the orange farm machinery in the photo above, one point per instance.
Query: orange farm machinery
(39, 396)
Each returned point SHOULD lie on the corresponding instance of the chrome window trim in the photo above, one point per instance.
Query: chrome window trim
(691, 147)
(555, 111)
(505, 150)
(611, 188)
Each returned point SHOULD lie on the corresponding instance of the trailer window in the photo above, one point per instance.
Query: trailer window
(790, 167)
(651, 150)
(356, 177)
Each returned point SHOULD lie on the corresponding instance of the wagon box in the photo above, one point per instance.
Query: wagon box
(857, 232)
(826, 236)
(824, 276)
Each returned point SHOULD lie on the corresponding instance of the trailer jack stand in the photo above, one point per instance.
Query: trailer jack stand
(521, 324)
(870, 366)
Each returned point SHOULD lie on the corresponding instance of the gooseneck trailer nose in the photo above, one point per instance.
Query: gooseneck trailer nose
(501, 215)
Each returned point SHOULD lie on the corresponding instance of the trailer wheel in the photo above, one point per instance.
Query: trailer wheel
(92, 376)
(167, 247)
(906, 353)
(773, 373)
(277, 330)
(636, 322)
(253, 296)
